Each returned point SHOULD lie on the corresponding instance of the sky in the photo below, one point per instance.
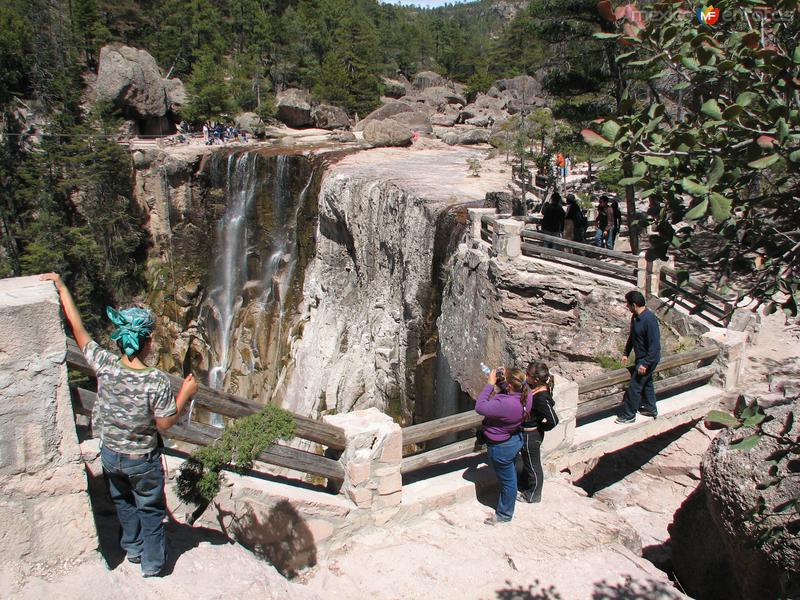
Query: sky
(424, 3)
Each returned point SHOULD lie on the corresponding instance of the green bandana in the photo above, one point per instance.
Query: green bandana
(134, 325)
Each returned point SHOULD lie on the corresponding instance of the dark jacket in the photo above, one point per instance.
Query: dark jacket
(540, 409)
(553, 218)
(645, 340)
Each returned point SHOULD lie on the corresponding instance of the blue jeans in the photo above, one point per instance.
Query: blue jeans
(136, 486)
(640, 395)
(604, 243)
(503, 456)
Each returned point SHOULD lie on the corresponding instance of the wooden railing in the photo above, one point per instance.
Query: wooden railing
(652, 277)
(701, 298)
(232, 406)
(582, 254)
(424, 432)
(589, 407)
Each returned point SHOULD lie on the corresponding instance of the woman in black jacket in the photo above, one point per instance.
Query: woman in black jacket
(539, 418)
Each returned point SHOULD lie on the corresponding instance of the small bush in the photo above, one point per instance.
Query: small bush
(242, 441)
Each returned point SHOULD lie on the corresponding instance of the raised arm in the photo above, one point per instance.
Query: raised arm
(70, 310)
(188, 389)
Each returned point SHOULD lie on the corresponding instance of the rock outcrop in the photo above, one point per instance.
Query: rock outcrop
(513, 312)
(131, 79)
(387, 132)
(326, 116)
(294, 108)
(44, 506)
(731, 478)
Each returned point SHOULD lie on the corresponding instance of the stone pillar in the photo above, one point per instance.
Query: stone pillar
(475, 224)
(507, 240)
(372, 461)
(558, 441)
(44, 504)
(733, 345)
(643, 270)
(655, 276)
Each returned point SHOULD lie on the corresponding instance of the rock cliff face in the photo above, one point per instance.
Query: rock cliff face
(369, 298)
(232, 234)
(512, 312)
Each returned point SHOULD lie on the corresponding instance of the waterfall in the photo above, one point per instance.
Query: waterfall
(230, 263)
(257, 257)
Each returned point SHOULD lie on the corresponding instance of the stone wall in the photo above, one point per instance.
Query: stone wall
(42, 477)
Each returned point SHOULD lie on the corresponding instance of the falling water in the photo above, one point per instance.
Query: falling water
(236, 240)
(230, 264)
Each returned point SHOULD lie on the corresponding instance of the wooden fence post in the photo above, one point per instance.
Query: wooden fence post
(507, 240)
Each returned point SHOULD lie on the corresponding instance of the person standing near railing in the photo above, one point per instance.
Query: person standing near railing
(553, 218)
(134, 402)
(503, 414)
(539, 417)
(645, 341)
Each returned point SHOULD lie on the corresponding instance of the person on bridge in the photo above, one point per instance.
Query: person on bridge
(604, 224)
(134, 402)
(503, 414)
(538, 414)
(553, 218)
(645, 341)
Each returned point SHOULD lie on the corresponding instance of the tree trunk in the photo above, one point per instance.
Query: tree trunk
(630, 203)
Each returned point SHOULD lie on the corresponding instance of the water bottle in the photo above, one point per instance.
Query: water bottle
(486, 370)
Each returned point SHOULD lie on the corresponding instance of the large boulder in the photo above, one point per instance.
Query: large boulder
(732, 479)
(463, 136)
(248, 121)
(177, 97)
(446, 119)
(415, 120)
(522, 85)
(131, 79)
(294, 108)
(387, 132)
(330, 117)
(385, 112)
(428, 79)
(440, 97)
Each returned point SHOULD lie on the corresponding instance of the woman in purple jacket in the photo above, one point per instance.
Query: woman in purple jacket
(503, 414)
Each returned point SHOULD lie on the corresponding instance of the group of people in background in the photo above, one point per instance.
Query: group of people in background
(217, 133)
(571, 224)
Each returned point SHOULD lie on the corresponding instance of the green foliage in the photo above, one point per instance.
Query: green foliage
(780, 467)
(729, 162)
(609, 363)
(242, 441)
(209, 94)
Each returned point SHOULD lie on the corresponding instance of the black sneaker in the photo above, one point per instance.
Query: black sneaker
(625, 421)
(648, 413)
(136, 560)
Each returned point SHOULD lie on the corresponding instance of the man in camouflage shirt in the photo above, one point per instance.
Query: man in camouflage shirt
(134, 403)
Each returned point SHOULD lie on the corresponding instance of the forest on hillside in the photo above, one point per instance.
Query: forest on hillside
(233, 55)
(701, 121)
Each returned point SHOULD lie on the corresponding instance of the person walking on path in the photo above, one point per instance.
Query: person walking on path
(553, 218)
(603, 235)
(503, 414)
(539, 413)
(134, 403)
(645, 341)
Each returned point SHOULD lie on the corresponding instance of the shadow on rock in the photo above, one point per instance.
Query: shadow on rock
(281, 536)
(180, 538)
(528, 593)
